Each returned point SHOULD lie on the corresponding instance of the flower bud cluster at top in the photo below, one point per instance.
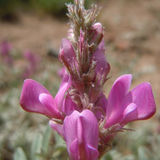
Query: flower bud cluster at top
(83, 55)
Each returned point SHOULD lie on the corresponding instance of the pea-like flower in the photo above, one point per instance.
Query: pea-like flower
(36, 98)
(81, 135)
(124, 106)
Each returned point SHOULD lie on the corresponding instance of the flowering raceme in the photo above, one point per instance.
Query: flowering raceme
(5, 49)
(80, 112)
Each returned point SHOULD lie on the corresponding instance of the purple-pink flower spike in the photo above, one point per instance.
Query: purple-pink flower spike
(5, 49)
(80, 112)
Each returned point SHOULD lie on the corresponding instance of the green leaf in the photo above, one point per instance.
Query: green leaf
(59, 139)
(60, 143)
(107, 157)
(46, 139)
(128, 157)
(36, 147)
(19, 154)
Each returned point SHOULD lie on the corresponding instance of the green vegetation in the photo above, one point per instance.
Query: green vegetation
(9, 9)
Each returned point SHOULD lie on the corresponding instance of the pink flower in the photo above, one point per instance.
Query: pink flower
(81, 133)
(33, 61)
(125, 106)
(31, 57)
(36, 98)
(5, 49)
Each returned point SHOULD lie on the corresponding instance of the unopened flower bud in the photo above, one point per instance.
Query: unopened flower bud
(68, 57)
(96, 33)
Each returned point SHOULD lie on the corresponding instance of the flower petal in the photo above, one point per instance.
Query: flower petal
(129, 114)
(102, 65)
(51, 108)
(67, 54)
(57, 127)
(138, 104)
(69, 105)
(97, 33)
(93, 152)
(117, 94)
(143, 97)
(65, 84)
(29, 99)
(81, 131)
(74, 150)
(101, 104)
(83, 151)
(101, 46)
(90, 127)
(68, 49)
(70, 130)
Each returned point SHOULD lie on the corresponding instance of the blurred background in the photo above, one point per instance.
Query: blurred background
(30, 36)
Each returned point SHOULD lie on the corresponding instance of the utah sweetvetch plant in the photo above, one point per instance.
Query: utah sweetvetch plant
(80, 112)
